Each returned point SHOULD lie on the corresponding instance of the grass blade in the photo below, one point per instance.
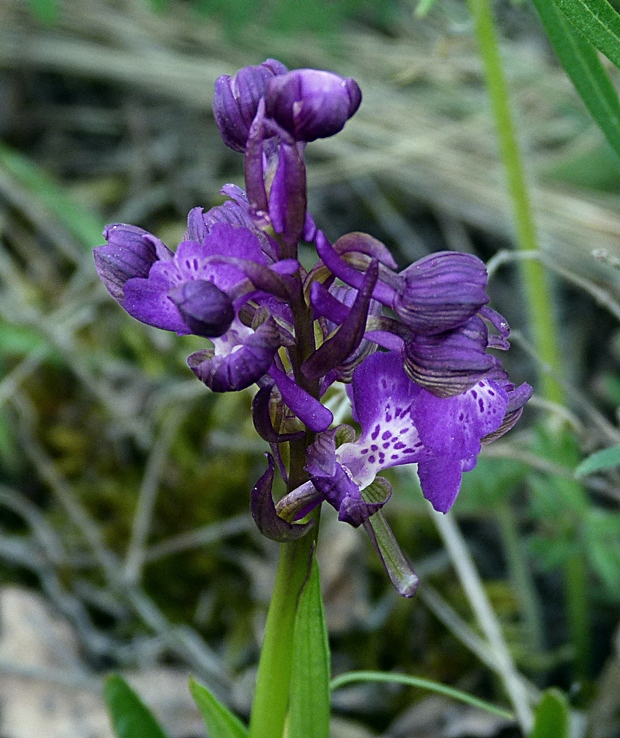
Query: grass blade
(410, 681)
(582, 65)
(219, 720)
(598, 22)
(129, 715)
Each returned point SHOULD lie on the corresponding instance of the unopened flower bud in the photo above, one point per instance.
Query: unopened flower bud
(236, 100)
(441, 292)
(311, 104)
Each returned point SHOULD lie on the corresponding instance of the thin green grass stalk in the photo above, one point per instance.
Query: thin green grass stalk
(536, 285)
(575, 584)
(537, 289)
(485, 615)
(380, 676)
(529, 602)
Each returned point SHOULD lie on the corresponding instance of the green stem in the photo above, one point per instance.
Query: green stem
(271, 697)
(529, 602)
(536, 286)
(273, 681)
(577, 606)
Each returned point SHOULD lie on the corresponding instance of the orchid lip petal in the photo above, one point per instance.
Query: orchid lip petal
(241, 367)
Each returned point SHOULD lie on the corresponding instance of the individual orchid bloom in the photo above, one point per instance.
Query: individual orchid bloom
(236, 100)
(130, 252)
(402, 423)
(311, 104)
(436, 294)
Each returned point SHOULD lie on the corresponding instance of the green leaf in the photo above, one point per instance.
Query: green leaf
(220, 721)
(579, 59)
(380, 676)
(608, 458)
(551, 719)
(129, 715)
(79, 221)
(309, 705)
(598, 22)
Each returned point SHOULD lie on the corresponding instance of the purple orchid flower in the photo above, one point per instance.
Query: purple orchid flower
(402, 423)
(411, 345)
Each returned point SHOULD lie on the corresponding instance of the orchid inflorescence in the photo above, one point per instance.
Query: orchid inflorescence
(411, 345)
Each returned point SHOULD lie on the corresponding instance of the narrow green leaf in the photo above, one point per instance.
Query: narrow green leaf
(129, 715)
(79, 221)
(309, 705)
(608, 458)
(551, 719)
(598, 22)
(410, 681)
(579, 59)
(220, 721)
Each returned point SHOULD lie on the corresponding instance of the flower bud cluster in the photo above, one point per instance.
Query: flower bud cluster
(411, 345)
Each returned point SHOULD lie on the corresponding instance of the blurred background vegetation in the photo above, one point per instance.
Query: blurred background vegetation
(124, 483)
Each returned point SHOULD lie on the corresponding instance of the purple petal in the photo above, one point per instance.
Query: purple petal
(348, 274)
(326, 305)
(449, 363)
(365, 244)
(242, 366)
(440, 480)
(347, 338)
(205, 309)
(237, 98)
(264, 511)
(312, 104)
(441, 292)
(130, 253)
(517, 399)
(452, 427)
(308, 409)
(148, 302)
